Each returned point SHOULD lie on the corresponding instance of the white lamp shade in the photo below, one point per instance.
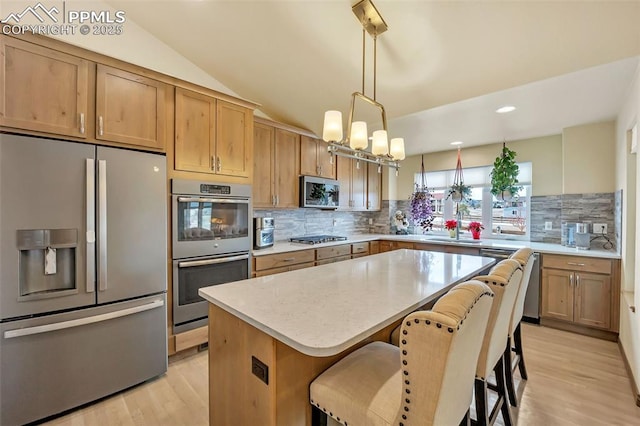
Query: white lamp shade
(358, 137)
(397, 149)
(380, 145)
(332, 130)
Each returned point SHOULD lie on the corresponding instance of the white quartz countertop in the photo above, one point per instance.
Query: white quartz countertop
(283, 247)
(324, 310)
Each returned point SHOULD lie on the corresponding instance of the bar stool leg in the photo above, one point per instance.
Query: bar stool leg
(482, 408)
(511, 391)
(466, 420)
(517, 341)
(318, 417)
(502, 394)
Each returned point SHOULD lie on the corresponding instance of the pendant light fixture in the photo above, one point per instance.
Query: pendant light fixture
(357, 137)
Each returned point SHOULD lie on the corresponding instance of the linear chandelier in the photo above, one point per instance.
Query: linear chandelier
(357, 141)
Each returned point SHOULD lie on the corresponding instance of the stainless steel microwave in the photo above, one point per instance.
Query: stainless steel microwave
(319, 193)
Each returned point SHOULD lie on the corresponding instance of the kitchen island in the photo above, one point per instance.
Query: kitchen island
(269, 337)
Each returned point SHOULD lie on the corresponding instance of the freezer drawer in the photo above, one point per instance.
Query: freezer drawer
(55, 363)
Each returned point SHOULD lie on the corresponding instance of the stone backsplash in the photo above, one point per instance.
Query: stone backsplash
(589, 208)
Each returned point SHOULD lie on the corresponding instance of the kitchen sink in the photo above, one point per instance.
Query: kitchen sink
(453, 240)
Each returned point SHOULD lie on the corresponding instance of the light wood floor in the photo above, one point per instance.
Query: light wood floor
(573, 380)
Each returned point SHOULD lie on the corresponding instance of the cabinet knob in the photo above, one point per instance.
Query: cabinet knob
(212, 163)
(100, 126)
(218, 164)
(82, 123)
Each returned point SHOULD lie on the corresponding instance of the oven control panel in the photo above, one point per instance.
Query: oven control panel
(206, 188)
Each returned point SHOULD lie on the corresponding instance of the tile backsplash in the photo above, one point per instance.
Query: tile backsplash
(602, 207)
(590, 208)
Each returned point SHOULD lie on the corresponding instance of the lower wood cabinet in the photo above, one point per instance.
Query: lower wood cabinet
(290, 261)
(580, 290)
(283, 262)
(394, 245)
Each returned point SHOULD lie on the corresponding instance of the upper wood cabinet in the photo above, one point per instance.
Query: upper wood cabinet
(374, 187)
(359, 185)
(195, 131)
(211, 135)
(315, 159)
(43, 90)
(263, 165)
(130, 109)
(275, 167)
(233, 137)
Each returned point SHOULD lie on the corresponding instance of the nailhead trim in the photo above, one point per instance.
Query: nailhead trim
(438, 325)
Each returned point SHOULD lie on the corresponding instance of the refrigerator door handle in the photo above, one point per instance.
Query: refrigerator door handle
(91, 226)
(28, 331)
(102, 225)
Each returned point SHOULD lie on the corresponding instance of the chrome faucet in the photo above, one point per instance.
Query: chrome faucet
(458, 221)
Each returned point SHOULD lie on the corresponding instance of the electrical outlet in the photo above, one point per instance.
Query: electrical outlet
(335, 222)
(370, 221)
(548, 226)
(599, 228)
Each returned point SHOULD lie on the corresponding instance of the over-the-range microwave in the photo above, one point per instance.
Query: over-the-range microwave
(319, 193)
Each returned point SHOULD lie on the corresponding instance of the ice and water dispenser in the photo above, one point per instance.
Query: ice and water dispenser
(47, 262)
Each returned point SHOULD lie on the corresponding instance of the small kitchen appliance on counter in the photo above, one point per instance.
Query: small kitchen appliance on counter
(583, 237)
(317, 239)
(263, 229)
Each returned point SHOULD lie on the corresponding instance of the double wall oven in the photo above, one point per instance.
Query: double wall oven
(211, 244)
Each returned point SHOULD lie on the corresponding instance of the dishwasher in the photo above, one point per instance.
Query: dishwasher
(532, 298)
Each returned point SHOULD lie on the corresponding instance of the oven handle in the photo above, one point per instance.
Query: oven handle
(211, 261)
(212, 200)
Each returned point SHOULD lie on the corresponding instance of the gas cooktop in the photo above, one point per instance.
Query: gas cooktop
(316, 239)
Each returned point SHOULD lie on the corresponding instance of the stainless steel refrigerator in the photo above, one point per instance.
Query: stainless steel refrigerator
(83, 273)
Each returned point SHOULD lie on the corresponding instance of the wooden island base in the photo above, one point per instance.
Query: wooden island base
(237, 396)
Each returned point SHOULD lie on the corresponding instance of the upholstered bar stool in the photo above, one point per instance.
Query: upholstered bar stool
(504, 280)
(514, 345)
(428, 380)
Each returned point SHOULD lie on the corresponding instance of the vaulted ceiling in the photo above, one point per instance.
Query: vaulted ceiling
(443, 67)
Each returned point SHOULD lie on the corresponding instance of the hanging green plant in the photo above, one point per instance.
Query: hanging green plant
(504, 176)
(459, 192)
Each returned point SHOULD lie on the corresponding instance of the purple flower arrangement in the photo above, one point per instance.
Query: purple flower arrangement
(422, 207)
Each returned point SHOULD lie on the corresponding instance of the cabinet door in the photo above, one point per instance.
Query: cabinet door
(195, 131)
(130, 109)
(233, 139)
(557, 294)
(326, 166)
(42, 90)
(263, 166)
(385, 246)
(286, 166)
(309, 156)
(359, 185)
(374, 187)
(593, 300)
(344, 176)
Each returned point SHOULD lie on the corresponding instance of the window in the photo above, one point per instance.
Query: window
(502, 219)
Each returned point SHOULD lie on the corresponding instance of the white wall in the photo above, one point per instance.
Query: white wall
(626, 179)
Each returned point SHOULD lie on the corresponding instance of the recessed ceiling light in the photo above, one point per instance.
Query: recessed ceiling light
(505, 109)
(457, 143)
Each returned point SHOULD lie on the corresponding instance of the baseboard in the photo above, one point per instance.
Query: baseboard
(531, 320)
(634, 388)
(575, 328)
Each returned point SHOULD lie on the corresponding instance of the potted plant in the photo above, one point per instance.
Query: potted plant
(459, 192)
(450, 225)
(422, 208)
(421, 201)
(504, 176)
(475, 228)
